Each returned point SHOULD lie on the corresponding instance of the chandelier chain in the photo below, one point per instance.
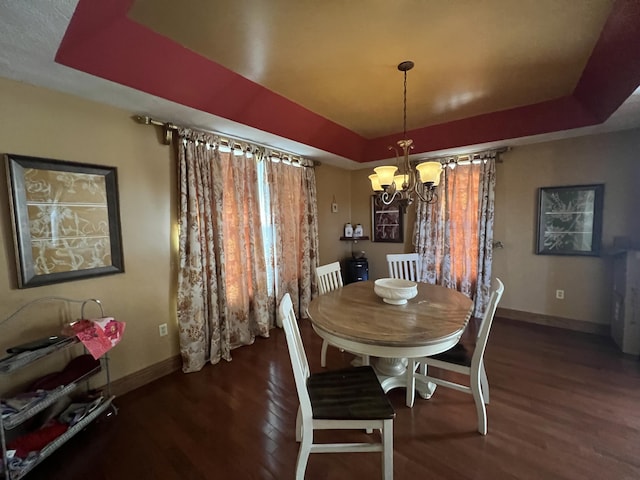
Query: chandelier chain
(404, 111)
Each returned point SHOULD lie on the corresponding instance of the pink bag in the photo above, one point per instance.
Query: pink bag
(99, 335)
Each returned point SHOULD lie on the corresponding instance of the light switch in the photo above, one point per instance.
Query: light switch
(334, 207)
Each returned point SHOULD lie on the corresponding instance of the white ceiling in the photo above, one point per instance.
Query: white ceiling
(31, 32)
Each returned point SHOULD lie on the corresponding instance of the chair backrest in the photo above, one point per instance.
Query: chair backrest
(487, 320)
(297, 354)
(329, 277)
(404, 265)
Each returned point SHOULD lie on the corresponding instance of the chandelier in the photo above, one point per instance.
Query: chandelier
(408, 184)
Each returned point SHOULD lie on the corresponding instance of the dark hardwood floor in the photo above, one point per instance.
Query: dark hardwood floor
(564, 405)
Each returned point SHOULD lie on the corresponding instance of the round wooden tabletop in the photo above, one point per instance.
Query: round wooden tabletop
(354, 317)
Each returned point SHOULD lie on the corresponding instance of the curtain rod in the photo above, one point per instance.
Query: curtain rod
(456, 157)
(232, 142)
(169, 128)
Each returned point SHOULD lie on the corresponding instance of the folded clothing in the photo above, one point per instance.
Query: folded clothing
(75, 369)
(38, 439)
(22, 401)
(77, 411)
(20, 466)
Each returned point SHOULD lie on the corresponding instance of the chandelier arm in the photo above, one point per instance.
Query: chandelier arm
(431, 196)
(408, 171)
(388, 198)
(395, 151)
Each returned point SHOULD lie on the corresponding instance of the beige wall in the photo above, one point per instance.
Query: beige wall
(333, 184)
(42, 123)
(531, 280)
(352, 191)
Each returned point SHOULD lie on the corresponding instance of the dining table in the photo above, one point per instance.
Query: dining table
(355, 319)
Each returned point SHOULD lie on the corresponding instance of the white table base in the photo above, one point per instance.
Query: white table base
(394, 373)
(390, 367)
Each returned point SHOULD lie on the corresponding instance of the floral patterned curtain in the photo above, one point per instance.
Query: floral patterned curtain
(222, 291)
(248, 234)
(454, 236)
(292, 251)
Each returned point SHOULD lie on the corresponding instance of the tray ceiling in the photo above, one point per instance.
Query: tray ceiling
(320, 78)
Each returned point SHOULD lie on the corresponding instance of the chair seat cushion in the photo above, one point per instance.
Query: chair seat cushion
(460, 354)
(348, 394)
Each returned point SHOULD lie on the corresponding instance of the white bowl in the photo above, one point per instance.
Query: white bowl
(395, 290)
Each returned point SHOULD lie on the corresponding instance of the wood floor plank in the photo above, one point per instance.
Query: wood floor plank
(564, 406)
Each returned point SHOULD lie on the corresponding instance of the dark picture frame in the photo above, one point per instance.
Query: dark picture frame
(66, 220)
(386, 221)
(570, 220)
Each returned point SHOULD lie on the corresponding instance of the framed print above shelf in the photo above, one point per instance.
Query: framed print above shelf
(386, 221)
(570, 220)
(66, 220)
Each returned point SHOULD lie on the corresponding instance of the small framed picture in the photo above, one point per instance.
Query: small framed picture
(386, 221)
(570, 220)
(66, 220)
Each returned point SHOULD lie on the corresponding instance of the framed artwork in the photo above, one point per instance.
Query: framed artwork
(386, 221)
(570, 220)
(66, 220)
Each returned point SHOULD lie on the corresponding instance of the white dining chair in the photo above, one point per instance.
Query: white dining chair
(404, 265)
(346, 399)
(466, 360)
(329, 278)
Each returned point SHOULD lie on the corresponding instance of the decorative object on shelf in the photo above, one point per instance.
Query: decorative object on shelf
(386, 221)
(66, 220)
(570, 220)
(395, 291)
(358, 231)
(407, 184)
(348, 230)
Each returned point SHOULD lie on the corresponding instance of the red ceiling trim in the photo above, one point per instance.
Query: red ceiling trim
(103, 41)
(613, 71)
(554, 115)
(125, 52)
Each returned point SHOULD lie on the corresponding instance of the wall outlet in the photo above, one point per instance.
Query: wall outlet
(334, 207)
(163, 329)
(560, 294)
